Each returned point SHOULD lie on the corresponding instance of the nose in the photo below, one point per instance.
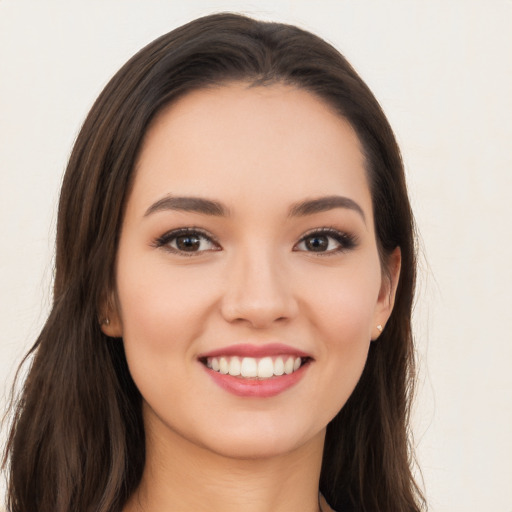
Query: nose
(258, 292)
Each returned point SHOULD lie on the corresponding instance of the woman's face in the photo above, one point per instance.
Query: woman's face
(248, 246)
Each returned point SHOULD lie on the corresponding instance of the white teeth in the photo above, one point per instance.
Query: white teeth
(250, 367)
(234, 366)
(265, 368)
(279, 366)
(223, 365)
(288, 366)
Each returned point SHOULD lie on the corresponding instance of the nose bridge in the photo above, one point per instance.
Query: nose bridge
(257, 289)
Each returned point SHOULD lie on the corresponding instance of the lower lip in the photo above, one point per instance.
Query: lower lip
(257, 388)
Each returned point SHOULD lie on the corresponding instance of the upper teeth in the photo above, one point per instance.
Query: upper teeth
(263, 368)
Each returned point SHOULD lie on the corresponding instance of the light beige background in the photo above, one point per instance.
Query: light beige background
(442, 70)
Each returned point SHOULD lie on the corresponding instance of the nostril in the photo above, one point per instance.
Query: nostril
(256, 294)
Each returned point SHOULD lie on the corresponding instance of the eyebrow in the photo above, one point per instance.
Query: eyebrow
(188, 204)
(323, 204)
(214, 208)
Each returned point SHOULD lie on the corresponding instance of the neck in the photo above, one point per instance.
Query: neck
(180, 475)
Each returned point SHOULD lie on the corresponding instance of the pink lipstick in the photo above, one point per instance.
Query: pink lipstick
(256, 370)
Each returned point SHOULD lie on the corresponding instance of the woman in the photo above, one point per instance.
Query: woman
(234, 279)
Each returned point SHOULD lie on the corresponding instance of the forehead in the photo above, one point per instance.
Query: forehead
(237, 141)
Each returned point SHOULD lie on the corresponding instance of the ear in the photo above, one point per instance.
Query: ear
(387, 292)
(109, 319)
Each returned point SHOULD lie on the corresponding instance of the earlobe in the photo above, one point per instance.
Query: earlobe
(111, 328)
(109, 320)
(387, 293)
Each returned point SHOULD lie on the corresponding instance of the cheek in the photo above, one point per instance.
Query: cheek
(343, 307)
(343, 303)
(160, 312)
(158, 301)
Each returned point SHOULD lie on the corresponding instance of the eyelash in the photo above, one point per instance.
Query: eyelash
(344, 240)
(165, 240)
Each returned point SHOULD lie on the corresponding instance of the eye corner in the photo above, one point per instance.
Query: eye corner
(331, 241)
(169, 242)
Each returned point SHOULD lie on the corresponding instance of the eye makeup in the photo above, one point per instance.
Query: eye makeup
(188, 241)
(193, 241)
(326, 241)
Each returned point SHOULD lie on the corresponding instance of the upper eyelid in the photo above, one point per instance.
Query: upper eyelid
(346, 239)
(185, 230)
(325, 230)
(173, 233)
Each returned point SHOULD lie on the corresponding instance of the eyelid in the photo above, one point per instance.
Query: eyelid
(346, 241)
(164, 240)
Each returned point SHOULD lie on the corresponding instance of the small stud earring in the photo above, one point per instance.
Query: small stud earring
(105, 321)
(379, 327)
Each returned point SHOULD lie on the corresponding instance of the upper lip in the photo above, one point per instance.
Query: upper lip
(256, 351)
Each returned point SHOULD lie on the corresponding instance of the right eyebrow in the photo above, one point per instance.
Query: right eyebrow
(188, 204)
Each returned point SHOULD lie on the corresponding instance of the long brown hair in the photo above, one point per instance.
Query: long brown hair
(77, 439)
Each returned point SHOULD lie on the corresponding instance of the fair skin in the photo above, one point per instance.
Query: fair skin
(279, 264)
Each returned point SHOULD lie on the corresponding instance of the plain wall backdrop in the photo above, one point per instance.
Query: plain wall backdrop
(442, 71)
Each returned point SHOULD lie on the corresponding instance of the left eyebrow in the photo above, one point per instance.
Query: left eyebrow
(188, 204)
(324, 204)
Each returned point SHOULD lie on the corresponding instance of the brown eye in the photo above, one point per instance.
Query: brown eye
(327, 241)
(188, 243)
(316, 243)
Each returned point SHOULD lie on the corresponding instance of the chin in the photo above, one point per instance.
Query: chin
(250, 450)
(263, 440)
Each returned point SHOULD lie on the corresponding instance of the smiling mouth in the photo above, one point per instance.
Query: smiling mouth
(255, 368)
